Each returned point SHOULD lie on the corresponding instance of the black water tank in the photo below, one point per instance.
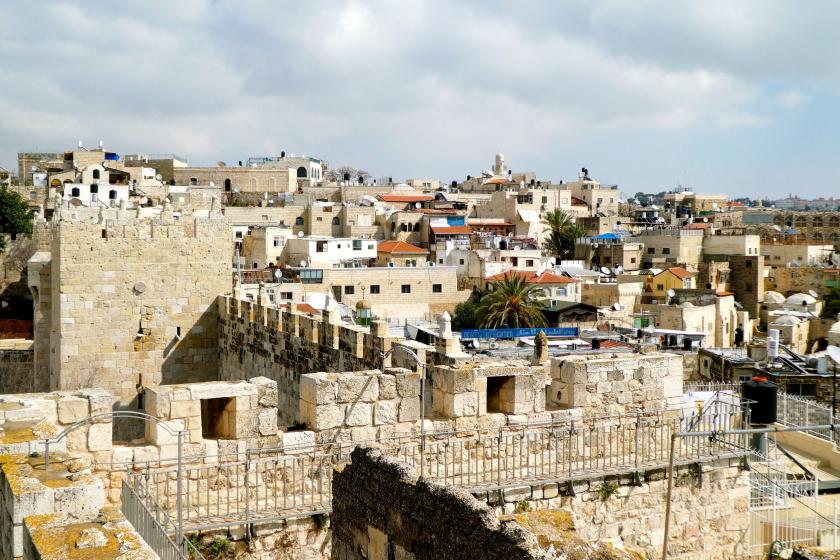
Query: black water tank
(764, 393)
(596, 343)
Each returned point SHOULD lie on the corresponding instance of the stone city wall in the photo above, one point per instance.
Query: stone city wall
(282, 345)
(17, 367)
(613, 385)
(381, 510)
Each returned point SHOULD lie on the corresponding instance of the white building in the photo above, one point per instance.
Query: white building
(95, 194)
(328, 252)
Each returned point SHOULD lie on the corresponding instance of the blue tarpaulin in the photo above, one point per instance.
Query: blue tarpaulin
(608, 236)
(111, 156)
(516, 333)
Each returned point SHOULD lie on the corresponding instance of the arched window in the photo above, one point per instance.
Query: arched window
(272, 184)
(74, 191)
(403, 227)
(336, 221)
(301, 172)
(298, 221)
(112, 195)
(227, 185)
(96, 174)
(253, 183)
(417, 226)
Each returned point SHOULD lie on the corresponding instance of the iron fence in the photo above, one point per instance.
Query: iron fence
(151, 522)
(270, 485)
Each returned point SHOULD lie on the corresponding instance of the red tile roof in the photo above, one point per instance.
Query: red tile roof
(495, 181)
(451, 230)
(394, 247)
(308, 309)
(680, 272)
(532, 278)
(405, 197)
(614, 344)
(698, 225)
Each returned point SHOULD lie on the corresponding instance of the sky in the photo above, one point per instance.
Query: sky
(720, 96)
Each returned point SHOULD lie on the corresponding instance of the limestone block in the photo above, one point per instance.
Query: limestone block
(221, 389)
(78, 499)
(359, 414)
(77, 440)
(100, 437)
(298, 442)
(72, 409)
(353, 388)
(316, 388)
(122, 457)
(410, 410)
(156, 401)
(455, 380)
(267, 422)
(363, 434)
(146, 454)
(408, 384)
(463, 404)
(387, 387)
(158, 434)
(183, 409)
(266, 391)
(101, 401)
(39, 499)
(386, 412)
(323, 416)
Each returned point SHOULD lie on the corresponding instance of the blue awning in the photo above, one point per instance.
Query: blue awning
(608, 236)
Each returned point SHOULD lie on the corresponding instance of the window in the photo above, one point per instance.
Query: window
(651, 251)
(227, 185)
(94, 189)
(74, 191)
(561, 292)
(437, 288)
(749, 264)
(301, 173)
(440, 261)
(311, 276)
(193, 181)
(336, 221)
(545, 200)
(666, 250)
(607, 259)
(96, 174)
(660, 287)
(278, 241)
(405, 288)
(802, 389)
(357, 244)
(374, 288)
(214, 418)
(321, 247)
(529, 262)
(460, 261)
(299, 221)
(349, 290)
(632, 260)
(239, 235)
(285, 295)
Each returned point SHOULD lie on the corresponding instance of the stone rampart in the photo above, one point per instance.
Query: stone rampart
(283, 344)
(17, 368)
(382, 510)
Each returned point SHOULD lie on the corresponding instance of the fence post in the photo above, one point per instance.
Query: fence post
(637, 479)
(179, 483)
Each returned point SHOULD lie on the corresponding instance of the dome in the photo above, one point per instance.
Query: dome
(773, 297)
(786, 320)
(362, 304)
(686, 304)
(800, 299)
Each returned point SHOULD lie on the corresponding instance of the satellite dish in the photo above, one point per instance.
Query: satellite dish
(777, 228)
(813, 294)
(605, 270)
(300, 234)
(278, 274)
(620, 269)
(616, 271)
(671, 292)
(418, 205)
(834, 353)
(616, 306)
(212, 184)
(303, 264)
(159, 177)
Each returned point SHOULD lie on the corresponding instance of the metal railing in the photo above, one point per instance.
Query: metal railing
(269, 486)
(151, 522)
(801, 412)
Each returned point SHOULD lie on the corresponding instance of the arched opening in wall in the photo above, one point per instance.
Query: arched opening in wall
(75, 191)
(301, 172)
(417, 226)
(96, 174)
(403, 227)
(298, 221)
(336, 221)
(227, 185)
(253, 183)
(112, 197)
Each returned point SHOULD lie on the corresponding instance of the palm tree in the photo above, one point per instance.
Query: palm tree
(512, 303)
(563, 232)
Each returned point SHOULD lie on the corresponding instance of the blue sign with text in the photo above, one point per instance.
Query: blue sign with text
(516, 333)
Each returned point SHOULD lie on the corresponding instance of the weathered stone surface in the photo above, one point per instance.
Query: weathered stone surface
(72, 409)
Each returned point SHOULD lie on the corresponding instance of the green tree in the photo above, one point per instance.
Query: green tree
(563, 232)
(831, 306)
(466, 316)
(511, 303)
(15, 215)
